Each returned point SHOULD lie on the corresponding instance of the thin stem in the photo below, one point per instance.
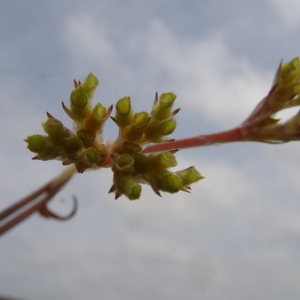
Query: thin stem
(36, 201)
(232, 135)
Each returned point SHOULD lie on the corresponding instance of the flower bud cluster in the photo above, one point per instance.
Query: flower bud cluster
(286, 86)
(263, 124)
(143, 128)
(131, 166)
(84, 146)
(132, 170)
(286, 94)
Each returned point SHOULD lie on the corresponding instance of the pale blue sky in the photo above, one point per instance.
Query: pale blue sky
(236, 236)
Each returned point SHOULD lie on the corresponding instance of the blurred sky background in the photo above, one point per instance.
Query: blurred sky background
(236, 236)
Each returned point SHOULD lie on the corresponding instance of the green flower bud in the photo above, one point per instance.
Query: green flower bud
(167, 127)
(48, 151)
(79, 98)
(162, 160)
(88, 159)
(96, 119)
(91, 157)
(162, 109)
(90, 84)
(126, 185)
(135, 131)
(53, 127)
(72, 145)
(168, 182)
(56, 131)
(141, 119)
(124, 164)
(189, 176)
(80, 106)
(124, 114)
(123, 106)
(288, 73)
(156, 130)
(36, 143)
(133, 191)
(286, 86)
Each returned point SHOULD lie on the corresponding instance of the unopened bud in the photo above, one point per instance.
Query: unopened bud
(126, 185)
(53, 127)
(80, 106)
(47, 150)
(90, 84)
(79, 98)
(156, 130)
(133, 191)
(285, 86)
(189, 176)
(72, 145)
(167, 127)
(162, 160)
(36, 143)
(88, 159)
(95, 120)
(124, 114)
(168, 182)
(135, 131)
(91, 157)
(162, 109)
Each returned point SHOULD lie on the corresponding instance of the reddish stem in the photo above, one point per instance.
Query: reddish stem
(232, 135)
(37, 201)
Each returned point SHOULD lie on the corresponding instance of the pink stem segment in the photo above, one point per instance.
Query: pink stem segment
(232, 135)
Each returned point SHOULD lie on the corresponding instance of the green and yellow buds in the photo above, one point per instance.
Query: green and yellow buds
(168, 182)
(44, 148)
(162, 122)
(72, 146)
(124, 114)
(162, 160)
(286, 86)
(135, 131)
(125, 185)
(162, 108)
(84, 146)
(87, 159)
(81, 98)
(94, 121)
(89, 85)
(263, 124)
(36, 143)
(189, 176)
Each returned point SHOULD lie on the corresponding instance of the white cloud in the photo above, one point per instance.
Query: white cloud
(288, 11)
(208, 77)
(87, 39)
